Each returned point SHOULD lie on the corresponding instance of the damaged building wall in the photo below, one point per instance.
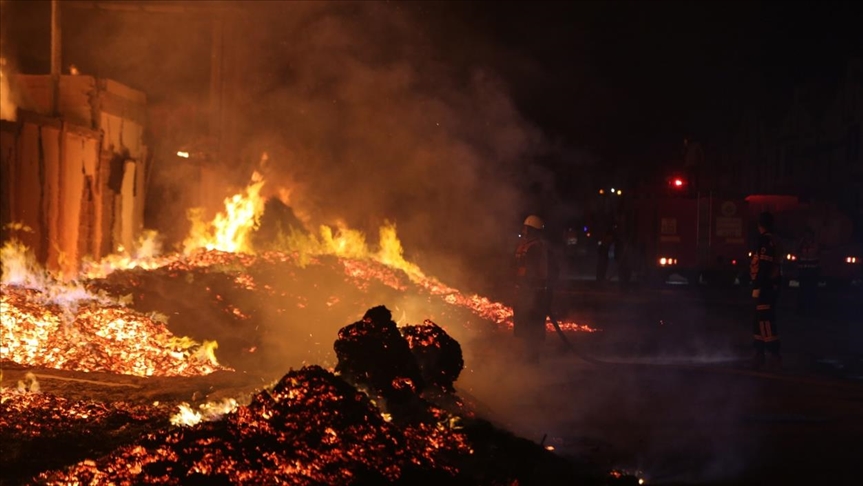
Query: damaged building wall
(77, 182)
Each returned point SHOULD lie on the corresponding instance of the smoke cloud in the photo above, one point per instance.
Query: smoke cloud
(366, 120)
(369, 112)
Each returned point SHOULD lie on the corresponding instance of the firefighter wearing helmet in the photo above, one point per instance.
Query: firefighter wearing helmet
(533, 287)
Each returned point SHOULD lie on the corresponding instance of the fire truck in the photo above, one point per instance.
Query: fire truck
(685, 237)
(841, 257)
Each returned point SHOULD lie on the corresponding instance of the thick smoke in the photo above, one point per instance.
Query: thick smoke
(365, 120)
(364, 108)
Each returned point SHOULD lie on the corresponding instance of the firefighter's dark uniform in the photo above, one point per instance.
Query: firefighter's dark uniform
(765, 273)
(532, 292)
(809, 269)
(603, 253)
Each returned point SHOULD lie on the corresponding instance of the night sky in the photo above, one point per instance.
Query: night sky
(623, 80)
(630, 79)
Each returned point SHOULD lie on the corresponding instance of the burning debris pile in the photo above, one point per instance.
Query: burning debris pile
(391, 413)
(263, 308)
(373, 353)
(96, 338)
(62, 325)
(43, 431)
(252, 302)
(438, 355)
(145, 314)
(311, 427)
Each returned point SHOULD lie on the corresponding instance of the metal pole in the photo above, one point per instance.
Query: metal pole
(56, 52)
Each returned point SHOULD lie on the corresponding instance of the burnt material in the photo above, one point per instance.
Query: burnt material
(439, 356)
(372, 353)
(43, 431)
(311, 428)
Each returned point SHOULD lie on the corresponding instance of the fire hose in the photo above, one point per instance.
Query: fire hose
(554, 322)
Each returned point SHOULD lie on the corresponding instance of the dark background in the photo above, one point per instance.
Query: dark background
(625, 80)
(454, 119)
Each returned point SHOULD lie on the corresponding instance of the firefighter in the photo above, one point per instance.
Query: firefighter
(533, 287)
(766, 279)
(809, 270)
(603, 254)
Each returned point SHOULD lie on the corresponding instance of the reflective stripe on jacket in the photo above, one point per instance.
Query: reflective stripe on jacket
(532, 262)
(764, 267)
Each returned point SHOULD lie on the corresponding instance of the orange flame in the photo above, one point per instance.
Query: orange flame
(230, 230)
(47, 322)
(146, 255)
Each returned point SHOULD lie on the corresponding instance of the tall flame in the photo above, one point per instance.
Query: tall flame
(230, 230)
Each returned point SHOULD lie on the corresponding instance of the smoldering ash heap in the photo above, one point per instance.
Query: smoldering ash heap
(398, 365)
(312, 427)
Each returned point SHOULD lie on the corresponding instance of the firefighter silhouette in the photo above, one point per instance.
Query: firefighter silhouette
(534, 273)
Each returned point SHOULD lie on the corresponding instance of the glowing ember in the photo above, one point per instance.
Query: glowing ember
(96, 338)
(385, 263)
(206, 412)
(311, 428)
(61, 324)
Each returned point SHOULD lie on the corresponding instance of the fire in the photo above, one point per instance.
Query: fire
(310, 428)
(62, 325)
(206, 412)
(229, 231)
(95, 337)
(351, 246)
(20, 269)
(19, 265)
(146, 254)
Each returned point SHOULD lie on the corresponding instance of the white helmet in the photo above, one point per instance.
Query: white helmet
(534, 222)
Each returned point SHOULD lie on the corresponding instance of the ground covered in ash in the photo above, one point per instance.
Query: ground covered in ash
(305, 398)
